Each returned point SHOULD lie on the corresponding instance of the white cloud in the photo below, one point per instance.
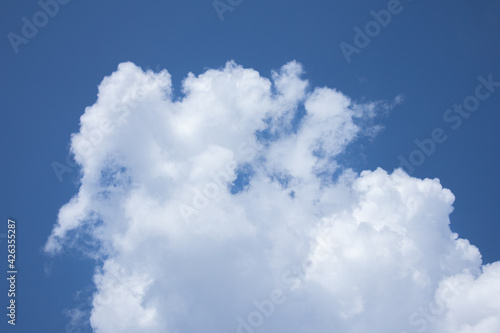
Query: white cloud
(301, 244)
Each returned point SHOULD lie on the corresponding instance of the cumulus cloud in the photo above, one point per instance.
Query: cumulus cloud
(226, 209)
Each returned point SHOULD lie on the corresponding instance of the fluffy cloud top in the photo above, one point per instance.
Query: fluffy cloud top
(226, 210)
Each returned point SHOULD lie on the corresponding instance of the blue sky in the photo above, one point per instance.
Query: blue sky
(432, 53)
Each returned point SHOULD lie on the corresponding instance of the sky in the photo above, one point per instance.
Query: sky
(251, 166)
